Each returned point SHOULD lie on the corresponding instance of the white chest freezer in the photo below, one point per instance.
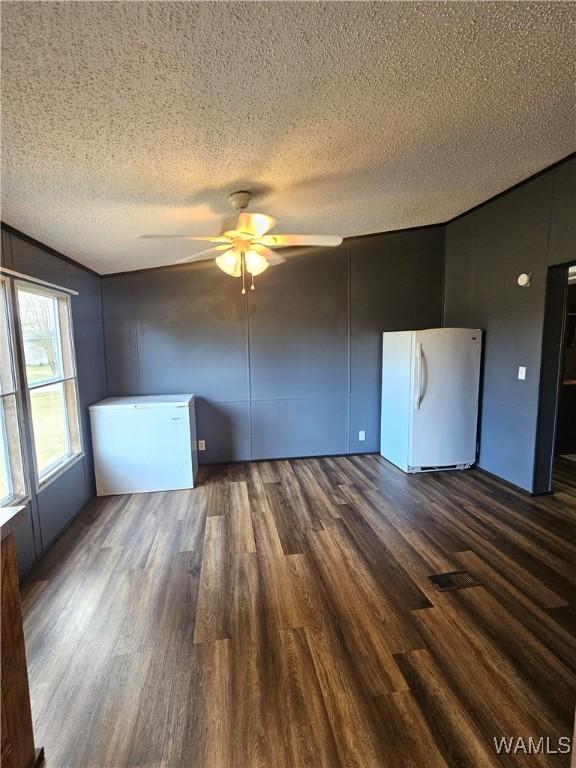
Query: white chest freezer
(144, 444)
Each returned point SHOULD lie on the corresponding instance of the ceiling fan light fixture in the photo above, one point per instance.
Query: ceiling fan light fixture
(255, 263)
(230, 262)
(247, 246)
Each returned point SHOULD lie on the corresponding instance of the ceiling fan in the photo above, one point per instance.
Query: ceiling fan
(244, 245)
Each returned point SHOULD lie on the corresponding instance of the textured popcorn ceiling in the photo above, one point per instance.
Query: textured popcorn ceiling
(128, 117)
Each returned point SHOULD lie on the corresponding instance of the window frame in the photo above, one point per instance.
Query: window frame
(70, 377)
(7, 299)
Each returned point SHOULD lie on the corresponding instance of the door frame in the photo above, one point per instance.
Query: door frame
(550, 375)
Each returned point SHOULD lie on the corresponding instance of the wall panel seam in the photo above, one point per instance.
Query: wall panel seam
(304, 398)
(104, 345)
(349, 341)
(443, 295)
(136, 338)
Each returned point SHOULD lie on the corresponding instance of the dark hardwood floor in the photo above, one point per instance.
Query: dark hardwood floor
(281, 615)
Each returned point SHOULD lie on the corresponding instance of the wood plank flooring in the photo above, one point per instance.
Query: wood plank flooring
(280, 615)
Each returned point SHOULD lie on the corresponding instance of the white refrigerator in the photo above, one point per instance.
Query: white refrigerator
(430, 385)
(144, 444)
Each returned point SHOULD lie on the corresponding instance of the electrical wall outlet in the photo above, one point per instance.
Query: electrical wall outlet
(522, 372)
(362, 435)
(201, 445)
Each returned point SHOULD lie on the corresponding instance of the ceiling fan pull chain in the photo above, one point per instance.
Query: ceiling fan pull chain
(242, 262)
(252, 287)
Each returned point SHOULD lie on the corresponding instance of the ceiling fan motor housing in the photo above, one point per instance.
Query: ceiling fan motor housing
(239, 200)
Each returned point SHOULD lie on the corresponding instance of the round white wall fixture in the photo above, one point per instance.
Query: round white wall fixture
(524, 280)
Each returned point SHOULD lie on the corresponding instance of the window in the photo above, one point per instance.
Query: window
(46, 332)
(12, 484)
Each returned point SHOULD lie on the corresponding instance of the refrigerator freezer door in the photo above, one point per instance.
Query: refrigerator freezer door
(444, 397)
(396, 403)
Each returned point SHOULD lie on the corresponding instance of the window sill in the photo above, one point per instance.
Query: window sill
(15, 501)
(58, 471)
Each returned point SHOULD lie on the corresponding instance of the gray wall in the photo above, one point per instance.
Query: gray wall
(291, 369)
(526, 230)
(50, 510)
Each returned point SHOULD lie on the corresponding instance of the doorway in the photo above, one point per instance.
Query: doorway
(556, 437)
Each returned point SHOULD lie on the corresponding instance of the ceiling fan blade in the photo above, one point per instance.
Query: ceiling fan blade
(210, 253)
(271, 257)
(285, 241)
(255, 224)
(208, 239)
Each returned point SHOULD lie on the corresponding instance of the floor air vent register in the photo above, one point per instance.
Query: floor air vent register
(453, 580)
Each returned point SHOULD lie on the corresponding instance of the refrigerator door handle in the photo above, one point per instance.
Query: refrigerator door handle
(422, 376)
(419, 362)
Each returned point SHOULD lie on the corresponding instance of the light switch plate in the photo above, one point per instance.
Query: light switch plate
(201, 445)
(362, 435)
(522, 372)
